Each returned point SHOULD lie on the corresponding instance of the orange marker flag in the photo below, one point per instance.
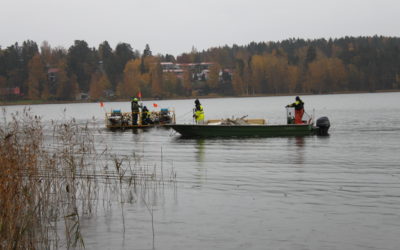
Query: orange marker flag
(139, 94)
(155, 105)
(101, 104)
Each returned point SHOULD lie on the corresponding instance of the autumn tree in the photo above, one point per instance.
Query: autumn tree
(213, 76)
(156, 80)
(187, 83)
(325, 74)
(239, 87)
(276, 73)
(316, 77)
(67, 87)
(145, 84)
(293, 77)
(238, 82)
(258, 76)
(355, 79)
(172, 84)
(122, 54)
(99, 83)
(130, 84)
(37, 80)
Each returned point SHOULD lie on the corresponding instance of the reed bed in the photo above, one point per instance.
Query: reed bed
(51, 178)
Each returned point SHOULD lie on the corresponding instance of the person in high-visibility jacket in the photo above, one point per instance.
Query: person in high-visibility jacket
(198, 112)
(298, 110)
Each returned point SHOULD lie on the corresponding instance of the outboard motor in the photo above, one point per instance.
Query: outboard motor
(323, 125)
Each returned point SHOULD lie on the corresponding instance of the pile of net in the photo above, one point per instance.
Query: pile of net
(234, 121)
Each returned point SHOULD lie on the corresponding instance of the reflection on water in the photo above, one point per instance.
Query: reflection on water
(299, 143)
(335, 192)
(201, 165)
(200, 150)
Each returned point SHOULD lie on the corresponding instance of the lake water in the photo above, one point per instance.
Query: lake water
(336, 192)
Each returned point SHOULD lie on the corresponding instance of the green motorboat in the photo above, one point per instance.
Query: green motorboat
(252, 128)
(190, 130)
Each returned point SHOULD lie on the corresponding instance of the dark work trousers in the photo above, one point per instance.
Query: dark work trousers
(135, 117)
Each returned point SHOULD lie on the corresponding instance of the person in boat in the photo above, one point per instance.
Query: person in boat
(146, 120)
(298, 110)
(135, 108)
(198, 112)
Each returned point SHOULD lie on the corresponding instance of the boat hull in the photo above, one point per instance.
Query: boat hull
(189, 130)
(130, 126)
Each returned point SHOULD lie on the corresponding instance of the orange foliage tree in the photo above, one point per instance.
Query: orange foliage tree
(258, 74)
(324, 75)
(213, 76)
(130, 84)
(67, 87)
(156, 78)
(276, 73)
(37, 80)
(187, 85)
(99, 83)
(239, 87)
(171, 84)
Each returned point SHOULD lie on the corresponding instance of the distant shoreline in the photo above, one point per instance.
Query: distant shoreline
(38, 102)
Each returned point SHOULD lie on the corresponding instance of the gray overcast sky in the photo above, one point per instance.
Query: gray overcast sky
(175, 26)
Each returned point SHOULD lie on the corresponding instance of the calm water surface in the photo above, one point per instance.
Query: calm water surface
(336, 192)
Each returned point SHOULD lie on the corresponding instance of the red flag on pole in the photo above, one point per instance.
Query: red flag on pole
(155, 105)
(101, 104)
(139, 94)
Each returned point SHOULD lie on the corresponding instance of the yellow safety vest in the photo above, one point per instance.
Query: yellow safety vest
(199, 114)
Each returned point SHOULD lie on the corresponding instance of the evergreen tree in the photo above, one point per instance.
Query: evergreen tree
(147, 51)
(37, 82)
(107, 63)
(81, 61)
(311, 55)
(123, 53)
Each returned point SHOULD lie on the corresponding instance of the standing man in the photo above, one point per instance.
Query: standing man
(198, 112)
(135, 111)
(298, 110)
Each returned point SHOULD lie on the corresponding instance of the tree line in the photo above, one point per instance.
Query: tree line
(289, 66)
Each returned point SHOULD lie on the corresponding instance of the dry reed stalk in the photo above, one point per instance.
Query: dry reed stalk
(46, 181)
